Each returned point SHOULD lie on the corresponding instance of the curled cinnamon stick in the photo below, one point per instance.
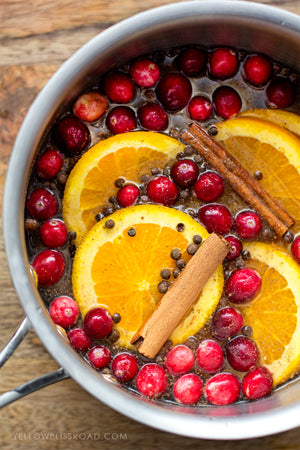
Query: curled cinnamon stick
(243, 174)
(179, 298)
(236, 183)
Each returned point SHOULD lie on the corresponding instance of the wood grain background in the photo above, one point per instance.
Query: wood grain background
(35, 38)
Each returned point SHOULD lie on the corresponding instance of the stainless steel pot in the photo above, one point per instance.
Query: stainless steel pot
(251, 26)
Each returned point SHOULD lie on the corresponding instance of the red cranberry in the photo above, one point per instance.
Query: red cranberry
(209, 356)
(151, 380)
(99, 356)
(281, 93)
(247, 224)
(257, 70)
(222, 389)
(179, 360)
(90, 106)
(119, 87)
(226, 101)
(153, 117)
(49, 266)
(236, 248)
(127, 195)
(124, 366)
(174, 91)
(223, 63)
(188, 389)
(145, 72)
(79, 340)
(64, 311)
(242, 353)
(121, 119)
(41, 204)
(49, 164)
(72, 135)
(242, 285)
(185, 173)
(209, 187)
(296, 249)
(97, 323)
(200, 108)
(226, 323)
(191, 61)
(53, 233)
(257, 383)
(162, 190)
(216, 218)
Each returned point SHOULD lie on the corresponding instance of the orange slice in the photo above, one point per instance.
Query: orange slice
(274, 314)
(121, 273)
(283, 118)
(91, 181)
(261, 145)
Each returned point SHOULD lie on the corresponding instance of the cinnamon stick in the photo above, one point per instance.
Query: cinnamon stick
(179, 298)
(237, 168)
(237, 184)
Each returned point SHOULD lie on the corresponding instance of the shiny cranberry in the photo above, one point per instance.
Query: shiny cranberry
(243, 285)
(153, 117)
(49, 266)
(296, 249)
(90, 106)
(242, 353)
(162, 190)
(174, 91)
(151, 380)
(53, 233)
(49, 164)
(223, 63)
(226, 101)
(257, 70)
(41, 204)
(121, 119)
(281, 93)
(222, 389)
(209, 187)
(185, 173)
(248, 225)
(118, 87)
(257, 383)
(216, 218)
(226, 323)
(179, 360)
(236, 248)
(64, 311)
(79, 339)
(124, 366)
(127, 195)
(209, 356)
(99, 356)
(200, 108)
(188, 389)
(72, 135)
(191, 61)
(145, 72)
(97, 323)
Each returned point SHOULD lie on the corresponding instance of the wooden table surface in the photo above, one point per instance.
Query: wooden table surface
(35, 38)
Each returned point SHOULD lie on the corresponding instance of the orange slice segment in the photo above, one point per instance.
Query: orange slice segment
(283, 118)
(274, 314)
(91, 182)
(121, 273)
(275, 151)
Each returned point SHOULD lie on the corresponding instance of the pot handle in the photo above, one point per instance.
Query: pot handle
(32, 385)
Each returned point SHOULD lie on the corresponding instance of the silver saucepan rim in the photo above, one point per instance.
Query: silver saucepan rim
(260, 418)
